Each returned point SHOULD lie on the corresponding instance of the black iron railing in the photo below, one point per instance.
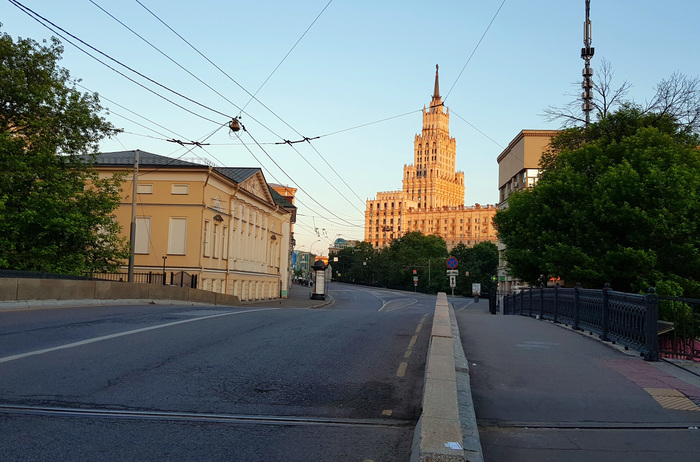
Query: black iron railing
(628, 319)
(679, 333)
(179, 279)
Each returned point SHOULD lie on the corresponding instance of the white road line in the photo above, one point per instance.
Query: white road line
(121, 334)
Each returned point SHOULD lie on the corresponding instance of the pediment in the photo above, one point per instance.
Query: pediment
(257, 186)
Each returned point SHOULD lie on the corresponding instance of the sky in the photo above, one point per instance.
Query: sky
(352, 78)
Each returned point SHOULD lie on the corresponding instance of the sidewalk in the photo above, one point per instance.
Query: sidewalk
(543, 392)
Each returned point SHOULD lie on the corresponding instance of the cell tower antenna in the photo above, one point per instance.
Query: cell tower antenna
(586, 54)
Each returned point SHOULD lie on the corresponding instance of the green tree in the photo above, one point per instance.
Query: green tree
(481, 261)
(57, 214)
(617, 203)
(414, 250)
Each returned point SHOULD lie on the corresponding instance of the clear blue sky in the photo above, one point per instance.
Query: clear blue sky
(361, 62)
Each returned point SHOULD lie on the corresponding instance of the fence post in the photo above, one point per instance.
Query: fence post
(651, 322)
(541, 302)
(556, 302)
(530, 297)
(604, 321)
(577, 314)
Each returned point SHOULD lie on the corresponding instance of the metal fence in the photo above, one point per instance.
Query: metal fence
(628, 319)
(179, 279)
(679, 334)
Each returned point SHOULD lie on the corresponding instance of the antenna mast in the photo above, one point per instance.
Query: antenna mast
(586, 54)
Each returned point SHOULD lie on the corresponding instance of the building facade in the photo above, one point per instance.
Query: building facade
(518, 168)
(432, 197)
(224, 224)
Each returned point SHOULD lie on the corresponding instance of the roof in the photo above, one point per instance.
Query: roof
(237, 174)
(146, 159)
(280, 200)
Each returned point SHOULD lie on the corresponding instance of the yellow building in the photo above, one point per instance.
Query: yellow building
(518, 168)
(432, 198)
(223, 224)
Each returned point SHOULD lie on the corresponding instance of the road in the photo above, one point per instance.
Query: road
(249, 383)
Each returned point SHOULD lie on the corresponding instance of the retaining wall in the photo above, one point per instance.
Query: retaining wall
(62, 290)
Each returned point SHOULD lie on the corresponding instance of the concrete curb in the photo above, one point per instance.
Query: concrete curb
(446, 430)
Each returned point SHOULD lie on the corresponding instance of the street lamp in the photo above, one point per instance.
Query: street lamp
(312, 245)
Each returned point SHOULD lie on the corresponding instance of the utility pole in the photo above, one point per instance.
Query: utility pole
(586, 54)
(132, 232)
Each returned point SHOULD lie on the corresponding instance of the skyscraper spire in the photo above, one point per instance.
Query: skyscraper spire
(436, 92)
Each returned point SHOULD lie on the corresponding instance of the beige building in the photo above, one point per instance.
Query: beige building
(432, 198)
(518, 168)
(226, 225)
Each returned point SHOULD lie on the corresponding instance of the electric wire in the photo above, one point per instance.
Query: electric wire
(43, 21)
(474, 51)
(166, 55)
(287, 175)
(285, 56)
(253, 96)
(468, 123)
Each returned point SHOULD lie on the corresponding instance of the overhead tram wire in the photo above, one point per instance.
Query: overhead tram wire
(287, 175)
(253, 96)
(102, 97)
(43, 21)
(475, 128)
(167, 56)
(474, 51)
(285, 56)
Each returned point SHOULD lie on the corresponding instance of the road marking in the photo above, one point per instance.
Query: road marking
(121, 334)
(670, 398)
(407, 354)
(387, 412)
(396, 302)
(402, 369)
(204, 417)
(412, 342)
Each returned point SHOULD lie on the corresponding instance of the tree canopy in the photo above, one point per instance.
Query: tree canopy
(394, 266)
(56, 213)
(617, 202)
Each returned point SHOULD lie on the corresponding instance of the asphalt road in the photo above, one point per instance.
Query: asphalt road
(545, 393)
(250, 383)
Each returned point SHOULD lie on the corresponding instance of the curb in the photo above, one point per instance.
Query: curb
(446, 430)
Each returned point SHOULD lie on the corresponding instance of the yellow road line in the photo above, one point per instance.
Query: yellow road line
(402, 369)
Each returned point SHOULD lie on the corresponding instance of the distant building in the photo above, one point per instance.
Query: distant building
(432, 198)
(224, 224)
(518, 168)
(340, 244)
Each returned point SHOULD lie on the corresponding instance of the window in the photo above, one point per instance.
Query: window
(224, 244)
(215, 240)
(177, 236)
(144, 188)
(180, 189)
(143, 235)
(205, 239)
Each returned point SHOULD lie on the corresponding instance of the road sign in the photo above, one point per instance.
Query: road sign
(415, 278)
(415, 271)
(453, 281)
(415, 283)
(452, 263)
(452, 272)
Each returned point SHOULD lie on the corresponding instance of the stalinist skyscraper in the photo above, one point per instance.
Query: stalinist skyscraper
(432, 198)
